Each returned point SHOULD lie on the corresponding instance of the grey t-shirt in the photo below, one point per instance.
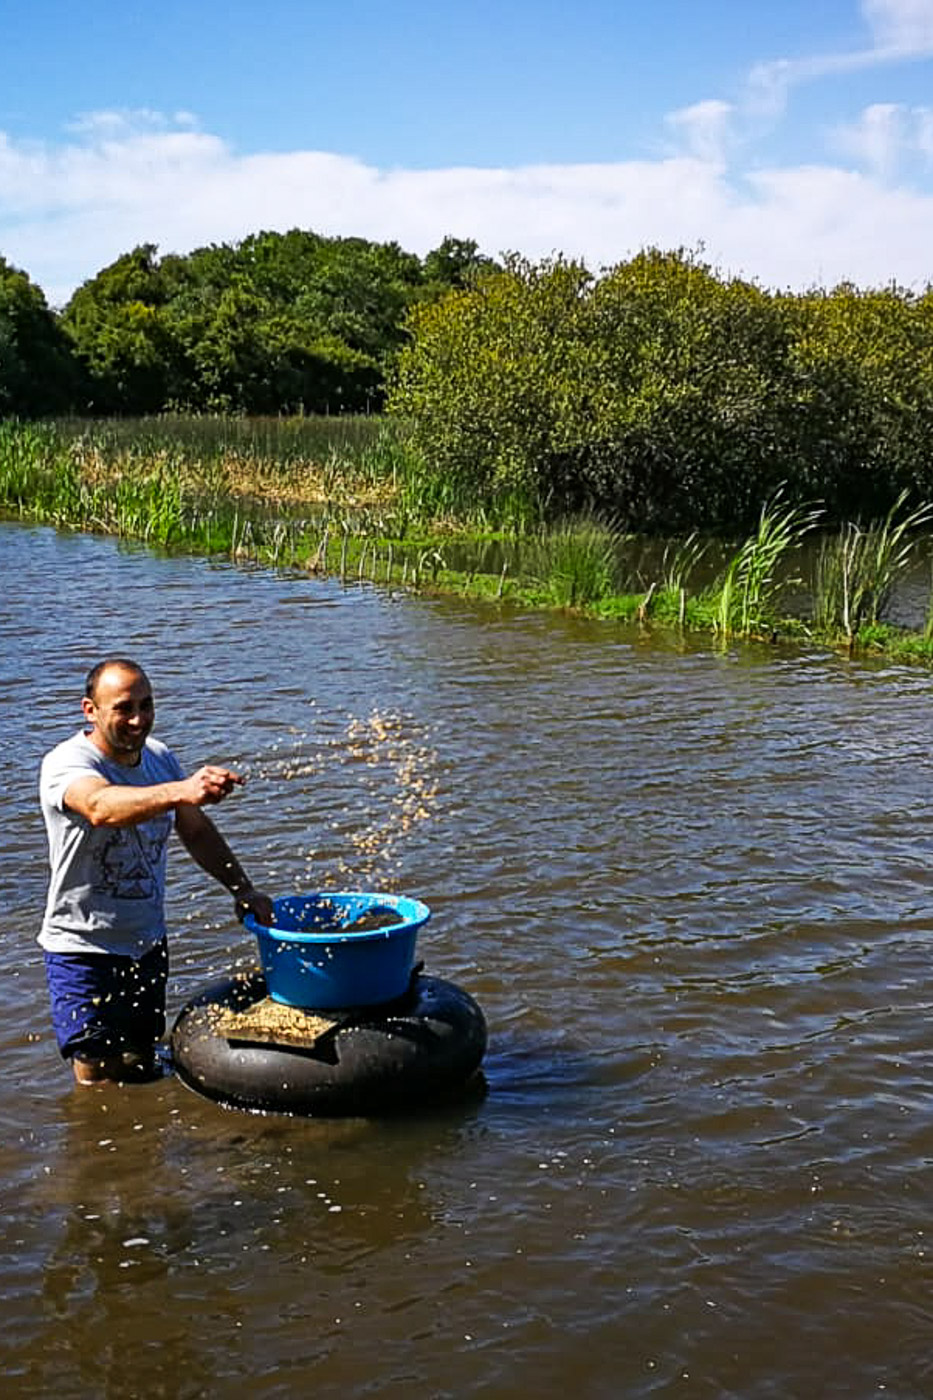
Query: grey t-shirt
(107, 884)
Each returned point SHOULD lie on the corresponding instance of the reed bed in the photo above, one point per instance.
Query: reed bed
(365, 511)
(203, 437)
(858, 569)
(575, 563)
(222, 498)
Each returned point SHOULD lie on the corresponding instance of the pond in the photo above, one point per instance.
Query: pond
(690, 890)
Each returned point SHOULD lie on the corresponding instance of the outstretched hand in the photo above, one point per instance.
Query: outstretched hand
(210, 784)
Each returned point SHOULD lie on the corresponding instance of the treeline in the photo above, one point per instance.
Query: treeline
(277, 324)
(657, 393)
(665, 397)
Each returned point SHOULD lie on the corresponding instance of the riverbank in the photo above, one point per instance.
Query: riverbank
(357, 505)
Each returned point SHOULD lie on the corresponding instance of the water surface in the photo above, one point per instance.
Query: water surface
(690, 890)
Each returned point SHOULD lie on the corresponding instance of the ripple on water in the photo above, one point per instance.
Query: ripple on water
(689, 890)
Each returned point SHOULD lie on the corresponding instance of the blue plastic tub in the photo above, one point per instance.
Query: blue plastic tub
(313, 957)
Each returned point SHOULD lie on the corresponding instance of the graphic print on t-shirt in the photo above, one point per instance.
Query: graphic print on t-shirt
(126, 862)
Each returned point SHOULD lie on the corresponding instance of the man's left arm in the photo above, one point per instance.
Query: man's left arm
(206, 845)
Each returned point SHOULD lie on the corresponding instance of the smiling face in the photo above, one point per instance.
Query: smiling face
(120, 713)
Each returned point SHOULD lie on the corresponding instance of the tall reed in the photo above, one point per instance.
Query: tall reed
(575, 562)
(678, 565)
(206, 437)
(745, 598)
(857, 571)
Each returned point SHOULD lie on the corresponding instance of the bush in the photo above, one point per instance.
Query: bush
(668, 398)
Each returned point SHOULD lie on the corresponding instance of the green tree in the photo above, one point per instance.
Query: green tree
(863, 366)
(494, 379)
(690, 394)
(38, 374)
(455, 263)
(117, 325)
(279, 322)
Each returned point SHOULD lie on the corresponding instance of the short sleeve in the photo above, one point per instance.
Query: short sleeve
(56, 777)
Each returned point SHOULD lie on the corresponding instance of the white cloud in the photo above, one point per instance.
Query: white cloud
(924, 132)
(127, 122)
(902, 26)
(826, 225)
(877, 140)
(887, 137)
(66, 211)
(704, 128)
(900, 30)
(769, 84)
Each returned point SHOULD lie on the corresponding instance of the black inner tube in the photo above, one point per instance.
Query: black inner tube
(405, 1054)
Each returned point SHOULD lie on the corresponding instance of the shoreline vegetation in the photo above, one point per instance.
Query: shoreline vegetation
(351, 498)
(653, 442)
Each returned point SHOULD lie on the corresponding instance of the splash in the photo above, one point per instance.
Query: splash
(364, 789)
(399, 784)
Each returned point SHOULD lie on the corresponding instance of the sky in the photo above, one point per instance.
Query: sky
(789, 142)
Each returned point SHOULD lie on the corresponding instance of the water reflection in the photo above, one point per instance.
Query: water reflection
(154, 1192)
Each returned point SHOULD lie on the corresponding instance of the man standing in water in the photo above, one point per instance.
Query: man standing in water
(110, 796)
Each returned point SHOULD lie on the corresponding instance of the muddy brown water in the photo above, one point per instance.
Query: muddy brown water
(691, 891)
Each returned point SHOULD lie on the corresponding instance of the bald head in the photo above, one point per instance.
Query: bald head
(116, 664)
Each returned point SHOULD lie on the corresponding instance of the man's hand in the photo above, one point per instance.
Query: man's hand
(209, 785)
(257, 903)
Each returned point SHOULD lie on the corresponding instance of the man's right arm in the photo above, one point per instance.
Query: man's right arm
(117, 804)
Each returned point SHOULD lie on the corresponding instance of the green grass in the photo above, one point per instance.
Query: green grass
(858, 570)
(203, 437)
(367, 510)
(574, 564)
(746, 597)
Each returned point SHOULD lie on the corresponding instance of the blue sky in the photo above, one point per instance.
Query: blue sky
(792, 141)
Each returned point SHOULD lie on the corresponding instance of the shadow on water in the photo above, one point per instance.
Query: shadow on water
(549, 1071)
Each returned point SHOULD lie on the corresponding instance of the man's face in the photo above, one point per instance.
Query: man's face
(121, 713)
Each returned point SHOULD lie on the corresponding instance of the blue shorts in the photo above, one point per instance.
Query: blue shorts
(103, 1004)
